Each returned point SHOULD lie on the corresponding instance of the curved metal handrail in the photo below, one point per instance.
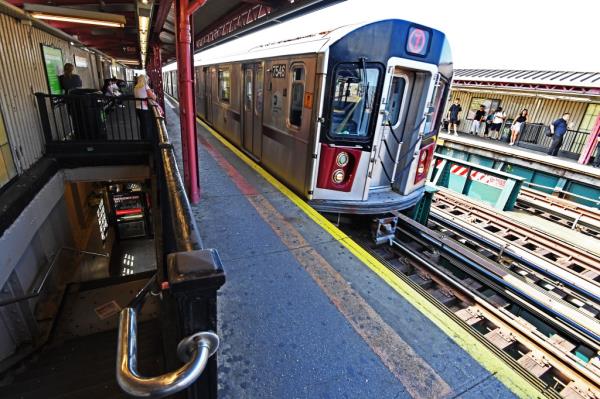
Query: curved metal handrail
(194, 351)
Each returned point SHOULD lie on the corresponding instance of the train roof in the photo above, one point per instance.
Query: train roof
(298, 36)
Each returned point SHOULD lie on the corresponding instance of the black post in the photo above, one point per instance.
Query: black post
(43, 109)
(194, 278)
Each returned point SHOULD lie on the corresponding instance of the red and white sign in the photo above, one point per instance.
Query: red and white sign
(475, 175)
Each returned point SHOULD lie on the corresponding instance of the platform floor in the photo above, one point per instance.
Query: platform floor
(516, 151)
(301, 316)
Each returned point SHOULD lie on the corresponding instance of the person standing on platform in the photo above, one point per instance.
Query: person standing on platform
(558, 128)
(69, 80)
(499, 117)
(143, 94)
(477, 120)
(488, 122)
(454, 115)
(517, 126)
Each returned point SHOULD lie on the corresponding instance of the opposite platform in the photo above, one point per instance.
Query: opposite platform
(306, 314)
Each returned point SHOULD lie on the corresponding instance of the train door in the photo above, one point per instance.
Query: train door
(391, 146)
(207, 95)
(252, 109)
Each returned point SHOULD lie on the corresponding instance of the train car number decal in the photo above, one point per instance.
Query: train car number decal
(278, 71)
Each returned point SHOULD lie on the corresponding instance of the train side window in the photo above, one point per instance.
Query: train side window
(224, 78)
(353, 100)
(394, 103)
(297, 98)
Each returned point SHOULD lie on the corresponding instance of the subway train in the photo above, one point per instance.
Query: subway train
(346, 117)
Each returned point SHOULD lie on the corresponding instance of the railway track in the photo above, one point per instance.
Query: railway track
(564, 212)
(441, 269)
(567, 264)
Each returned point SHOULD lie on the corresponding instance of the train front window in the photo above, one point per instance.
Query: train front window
(353, 100)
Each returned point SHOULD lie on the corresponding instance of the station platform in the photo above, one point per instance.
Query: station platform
(306, 313)
(481, 146)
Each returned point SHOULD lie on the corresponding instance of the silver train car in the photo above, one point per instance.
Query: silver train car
(346, 117)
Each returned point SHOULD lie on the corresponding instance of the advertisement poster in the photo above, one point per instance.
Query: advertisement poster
(53, 62)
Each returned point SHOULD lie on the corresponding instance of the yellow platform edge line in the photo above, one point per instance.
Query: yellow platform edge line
(484, 356)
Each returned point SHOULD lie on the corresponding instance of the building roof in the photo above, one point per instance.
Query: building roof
(565, 81)
(588, 79)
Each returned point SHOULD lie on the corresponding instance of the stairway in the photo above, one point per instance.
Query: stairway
(84, 367)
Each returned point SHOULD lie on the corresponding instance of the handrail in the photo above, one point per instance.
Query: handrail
(194, 350)
(38, 290)
(182, 222)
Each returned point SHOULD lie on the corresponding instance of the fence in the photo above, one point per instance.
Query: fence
(91, 117)
(533, 137)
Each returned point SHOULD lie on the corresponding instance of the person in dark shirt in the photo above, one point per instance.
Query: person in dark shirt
(454, 115)
(477, 120)
(68, 80)
(558, 128)
(517, 126)
(488, 122)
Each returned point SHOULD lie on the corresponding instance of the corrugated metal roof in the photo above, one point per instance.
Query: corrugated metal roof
(561, 78)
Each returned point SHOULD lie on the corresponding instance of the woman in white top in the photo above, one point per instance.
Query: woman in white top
(143, 94)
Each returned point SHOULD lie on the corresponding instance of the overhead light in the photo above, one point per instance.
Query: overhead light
(65, 14)
(76, 20)
(128, 62)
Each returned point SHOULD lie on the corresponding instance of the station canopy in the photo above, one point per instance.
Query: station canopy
(587, 83)
(124, 30)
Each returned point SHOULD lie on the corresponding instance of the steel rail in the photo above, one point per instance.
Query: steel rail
(480, 268)
(539, 266)
(557, 363)
(563, 254)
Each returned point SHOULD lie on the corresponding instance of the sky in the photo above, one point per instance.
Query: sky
(506, 34)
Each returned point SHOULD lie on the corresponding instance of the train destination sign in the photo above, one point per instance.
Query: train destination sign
(278, 71)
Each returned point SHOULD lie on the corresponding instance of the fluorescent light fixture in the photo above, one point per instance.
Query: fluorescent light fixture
(76, 20)
(65, 14)
(128, 62)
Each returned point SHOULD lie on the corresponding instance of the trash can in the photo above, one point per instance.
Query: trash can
(86, 107)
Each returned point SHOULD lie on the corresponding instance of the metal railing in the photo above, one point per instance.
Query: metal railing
(193, 275)
(92, 117)
(37, 291)
(533, 137)
(194, 351)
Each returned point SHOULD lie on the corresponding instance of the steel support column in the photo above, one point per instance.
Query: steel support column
(154, 71)
(591, 143)
(185, 65)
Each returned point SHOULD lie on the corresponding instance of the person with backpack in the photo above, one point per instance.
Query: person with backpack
(454, 116)
(488, 122)
(558, 128)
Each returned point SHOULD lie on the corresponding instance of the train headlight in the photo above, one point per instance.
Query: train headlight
(342, 159)
(338, 176)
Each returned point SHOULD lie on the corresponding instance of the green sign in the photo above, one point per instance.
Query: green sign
(53, 62)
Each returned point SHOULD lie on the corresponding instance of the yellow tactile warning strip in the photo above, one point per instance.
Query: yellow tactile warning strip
(510, 378)
(503, 372)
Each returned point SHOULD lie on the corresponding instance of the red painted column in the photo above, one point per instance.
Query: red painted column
(154, 70)
(590, 144)
(185, 66)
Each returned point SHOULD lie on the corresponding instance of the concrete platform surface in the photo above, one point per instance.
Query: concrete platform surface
(300, 316)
